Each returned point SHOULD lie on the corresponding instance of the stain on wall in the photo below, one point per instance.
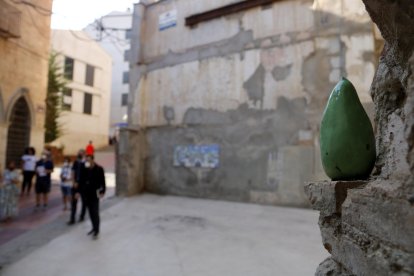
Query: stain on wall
(198, 116)
(280, 73)
(316, 81)
(245, 136)
(254, 86)
(169, 114)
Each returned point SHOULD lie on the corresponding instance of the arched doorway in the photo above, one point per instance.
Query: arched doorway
(18, 136)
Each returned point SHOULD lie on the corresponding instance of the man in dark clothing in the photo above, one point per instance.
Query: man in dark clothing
(44, 169)
(76, 193)
(92, 185)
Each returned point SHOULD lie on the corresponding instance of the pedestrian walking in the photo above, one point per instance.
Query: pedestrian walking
(66, 182)
(75, 191)
(44, 169)
(9, 193)
(90, 149)
(29, 165)
(92, 185)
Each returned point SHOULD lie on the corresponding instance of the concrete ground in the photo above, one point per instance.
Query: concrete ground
(153, 235)
(29, 219)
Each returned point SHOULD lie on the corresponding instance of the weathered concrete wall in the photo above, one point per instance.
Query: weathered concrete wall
(23, 72)
(252, 57)
(369, 227)
(257, 163)
(255, 83)
(130, 160)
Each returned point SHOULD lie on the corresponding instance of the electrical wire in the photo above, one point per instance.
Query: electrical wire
(41, 10)
(37, 7)
(28, 50)
(116, 39)
(81, 38)
(98, 25)
(120, 51)
(46, 12)
(36, 26)
(106, 31)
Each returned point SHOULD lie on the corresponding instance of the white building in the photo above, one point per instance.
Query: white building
(87, 67)
(113, 33)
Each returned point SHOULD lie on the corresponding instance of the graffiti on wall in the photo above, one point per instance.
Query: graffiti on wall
(203, 156)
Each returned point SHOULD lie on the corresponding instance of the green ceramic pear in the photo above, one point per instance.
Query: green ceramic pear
(346, 138)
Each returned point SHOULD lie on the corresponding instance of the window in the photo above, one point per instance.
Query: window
(90, 73)
(67, 99)
(128, 34)
(125, 77)
(87, 103)
(124, 99)
(68, 68)
(126, 55)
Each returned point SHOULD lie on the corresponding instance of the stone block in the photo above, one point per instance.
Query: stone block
(375, 212)
(366, 226)
(332, 268)
(328, 196)
(364, 254)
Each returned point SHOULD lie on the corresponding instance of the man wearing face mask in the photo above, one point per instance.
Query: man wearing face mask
(92, 185)
(44, 169)
(76, 192)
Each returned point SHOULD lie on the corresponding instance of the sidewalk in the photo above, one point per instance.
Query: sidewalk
(157, 236)
(29, 219)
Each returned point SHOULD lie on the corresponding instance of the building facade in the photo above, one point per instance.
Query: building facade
(113, 33)
(227, 96)
(24, 51)
(85, 103)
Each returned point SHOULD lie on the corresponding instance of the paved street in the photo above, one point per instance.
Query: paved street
(153, 235)
(30, 219)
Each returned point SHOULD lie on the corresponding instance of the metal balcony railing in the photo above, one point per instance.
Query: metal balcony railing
(9, 20)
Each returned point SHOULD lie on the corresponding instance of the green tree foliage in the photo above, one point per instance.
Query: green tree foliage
(56, 84)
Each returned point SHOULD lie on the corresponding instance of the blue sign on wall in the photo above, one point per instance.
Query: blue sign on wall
(203, 156)
(167, 20)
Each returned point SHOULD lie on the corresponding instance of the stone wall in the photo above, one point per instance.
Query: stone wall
(24, 67)
(368, 227)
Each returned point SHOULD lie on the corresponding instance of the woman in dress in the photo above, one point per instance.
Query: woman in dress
(9, 194)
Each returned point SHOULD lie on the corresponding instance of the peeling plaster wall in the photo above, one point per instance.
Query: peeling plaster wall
(256, 162)
(278, 20)
(180, 64)
(254, 82)
(224, 84)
